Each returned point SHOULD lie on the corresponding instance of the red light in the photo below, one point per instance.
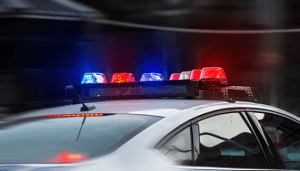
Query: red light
(122, 77)
(72, 115)
(195, 74)
(212, 72)
(175, 76)
(67, 157)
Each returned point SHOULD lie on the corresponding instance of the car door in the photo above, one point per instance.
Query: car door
(216, 141)
(283, 134)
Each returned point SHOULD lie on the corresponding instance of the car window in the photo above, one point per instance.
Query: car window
(52, 140)
(179, 148)
(226, 141)
(285, 136)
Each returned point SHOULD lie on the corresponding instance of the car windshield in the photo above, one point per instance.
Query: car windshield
(67, 139)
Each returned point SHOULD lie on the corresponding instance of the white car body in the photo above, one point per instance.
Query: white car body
(139, 153)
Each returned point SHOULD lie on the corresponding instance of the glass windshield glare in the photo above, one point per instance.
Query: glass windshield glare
(45, 140)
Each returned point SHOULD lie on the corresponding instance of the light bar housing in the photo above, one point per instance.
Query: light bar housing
(157, 89)
(188, 86)
(151, 89)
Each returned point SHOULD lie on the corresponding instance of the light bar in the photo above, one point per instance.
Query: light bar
(175, 76)
(187, 84)
(152, 77)
(195, 74)
(72, 115)
(185, 75)
(93, 77)
(122, 77)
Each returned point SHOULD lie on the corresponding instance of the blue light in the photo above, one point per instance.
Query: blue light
(93, 77)
(152, 77)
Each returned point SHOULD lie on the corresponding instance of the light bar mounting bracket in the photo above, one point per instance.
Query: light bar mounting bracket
(248, 91)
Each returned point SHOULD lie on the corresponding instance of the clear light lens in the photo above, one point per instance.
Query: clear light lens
(93, 77)
(152, 77)
(122, 77)
(185, 75)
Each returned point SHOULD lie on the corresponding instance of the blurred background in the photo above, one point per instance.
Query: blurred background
(48, 44)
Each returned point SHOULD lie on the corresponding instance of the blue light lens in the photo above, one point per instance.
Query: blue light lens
(93, 77)
(152, 77)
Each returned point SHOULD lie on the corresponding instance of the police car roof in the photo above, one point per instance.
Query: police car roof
(154, 107)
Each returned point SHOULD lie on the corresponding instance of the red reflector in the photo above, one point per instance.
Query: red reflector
(72, 115)
(175, 76)
(66, 157)
(212, 72)
(122, 77)
(195, 74)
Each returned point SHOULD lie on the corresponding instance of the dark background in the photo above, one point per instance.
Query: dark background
(46, 45)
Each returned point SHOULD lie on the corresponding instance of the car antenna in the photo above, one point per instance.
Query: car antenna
(84, 107)
(81, 127)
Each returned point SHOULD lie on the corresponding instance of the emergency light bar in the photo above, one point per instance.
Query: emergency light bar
(188, 85)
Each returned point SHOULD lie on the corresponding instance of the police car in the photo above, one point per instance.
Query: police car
(153, 125)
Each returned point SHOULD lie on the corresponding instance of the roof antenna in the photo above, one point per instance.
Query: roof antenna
(81, 127)
(84, 107)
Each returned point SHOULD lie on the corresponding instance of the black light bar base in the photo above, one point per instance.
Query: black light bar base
(157, 89)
